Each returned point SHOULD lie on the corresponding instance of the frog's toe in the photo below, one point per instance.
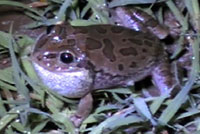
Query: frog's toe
(77, 120)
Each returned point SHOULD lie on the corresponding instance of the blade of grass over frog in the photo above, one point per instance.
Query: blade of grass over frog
(182, 96)
(21, 5)
(60, 17)
(142, 108)
(116, 3)
(116, 121)
(9, 117)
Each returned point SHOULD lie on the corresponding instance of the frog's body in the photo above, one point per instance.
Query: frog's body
(105, 56)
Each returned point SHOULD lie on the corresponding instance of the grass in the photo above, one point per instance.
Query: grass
(28, 107)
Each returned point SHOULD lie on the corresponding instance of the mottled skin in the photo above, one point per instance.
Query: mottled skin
(114, 55)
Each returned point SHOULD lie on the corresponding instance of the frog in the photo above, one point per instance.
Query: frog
(75, 61)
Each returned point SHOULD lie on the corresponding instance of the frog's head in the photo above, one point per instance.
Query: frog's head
(56, 51)
(59, 63)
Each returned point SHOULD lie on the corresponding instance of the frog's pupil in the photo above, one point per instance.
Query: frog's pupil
(66, 57)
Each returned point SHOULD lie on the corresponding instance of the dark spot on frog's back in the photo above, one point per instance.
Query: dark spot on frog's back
(144, 50)
(71, 42)
(148, 43)
(80, 30)
(120, 67)
(133, 64)
(149, 37)
(108, 50)
(124, 40)
(101, 30)
(92, 44)
(136, 41)
(128, 51)
(117, 29)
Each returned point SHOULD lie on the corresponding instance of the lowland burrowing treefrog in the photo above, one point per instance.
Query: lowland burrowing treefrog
(74, 61)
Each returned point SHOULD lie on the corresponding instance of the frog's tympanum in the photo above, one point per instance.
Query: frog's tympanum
(74, 61)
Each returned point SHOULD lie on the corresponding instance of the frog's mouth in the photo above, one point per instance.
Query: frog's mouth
(70, 84)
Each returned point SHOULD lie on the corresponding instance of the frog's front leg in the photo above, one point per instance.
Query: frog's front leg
(164, 79)
(84, 109)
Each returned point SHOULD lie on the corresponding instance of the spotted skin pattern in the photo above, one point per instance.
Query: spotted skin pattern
(113, 52)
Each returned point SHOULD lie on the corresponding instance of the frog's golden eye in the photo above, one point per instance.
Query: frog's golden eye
(66, 57)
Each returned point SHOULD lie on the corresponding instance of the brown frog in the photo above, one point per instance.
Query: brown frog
(75, 61)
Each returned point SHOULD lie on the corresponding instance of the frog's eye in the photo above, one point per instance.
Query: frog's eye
(66, 57)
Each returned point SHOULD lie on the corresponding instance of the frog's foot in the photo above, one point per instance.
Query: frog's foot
(77, 120)
(164, 79)
(137, 19)
(185, 61)
(84, 109)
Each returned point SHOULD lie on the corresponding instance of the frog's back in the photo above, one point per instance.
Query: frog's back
(118, 53)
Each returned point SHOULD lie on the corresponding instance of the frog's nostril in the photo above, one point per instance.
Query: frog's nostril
(50, 56)
(66, 57)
